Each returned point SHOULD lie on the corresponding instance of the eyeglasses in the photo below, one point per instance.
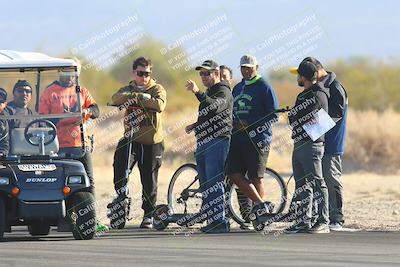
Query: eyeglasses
(143, 73)
(205, 73)
(21, 91)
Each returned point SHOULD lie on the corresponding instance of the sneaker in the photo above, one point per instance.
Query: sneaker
(147, 223)
(319, 228)
(216, 228)
(335, 226)
(298, 228)
(100, 228)
(247, 226)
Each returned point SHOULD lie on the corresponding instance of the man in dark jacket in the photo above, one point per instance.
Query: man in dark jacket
(4, 136)
(213, 130)
(308, 152)
(254, 106)
(22, 93)
(334, 143)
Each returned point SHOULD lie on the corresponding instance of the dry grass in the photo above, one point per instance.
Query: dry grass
(372, 140)
(371, 144)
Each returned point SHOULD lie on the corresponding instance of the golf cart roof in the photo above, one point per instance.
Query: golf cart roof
(31, 60)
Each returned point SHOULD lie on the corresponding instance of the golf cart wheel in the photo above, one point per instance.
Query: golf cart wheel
(37, 229)
(2, 218)
(118, 215)
(160, 216)
(83, 216)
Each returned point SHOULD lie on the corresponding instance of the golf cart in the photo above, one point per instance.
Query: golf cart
(42, 181)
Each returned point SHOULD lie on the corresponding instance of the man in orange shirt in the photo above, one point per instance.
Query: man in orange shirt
(61, 97)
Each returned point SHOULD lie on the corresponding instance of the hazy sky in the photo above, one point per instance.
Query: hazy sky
(337, 29)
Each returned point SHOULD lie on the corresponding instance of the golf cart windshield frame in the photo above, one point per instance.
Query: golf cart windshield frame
(39, 71)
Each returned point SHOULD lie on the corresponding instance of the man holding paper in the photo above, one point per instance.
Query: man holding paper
(309, 121)
(334, 143)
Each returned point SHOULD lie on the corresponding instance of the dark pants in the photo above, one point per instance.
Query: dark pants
(332, 170)
(310, 183)
(149, 158)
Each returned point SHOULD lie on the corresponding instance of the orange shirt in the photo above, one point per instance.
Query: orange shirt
(57, 100)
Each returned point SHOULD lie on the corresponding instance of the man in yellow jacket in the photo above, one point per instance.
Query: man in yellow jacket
(142, 120)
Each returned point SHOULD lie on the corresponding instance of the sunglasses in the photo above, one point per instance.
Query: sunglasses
(21, 91)
(143, 73)
(205, 73)
(67, 74)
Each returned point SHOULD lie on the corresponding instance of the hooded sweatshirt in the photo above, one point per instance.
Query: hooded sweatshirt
(308, 103)
(142, 115)
(215, 113)
(338, 105)
(253, 107)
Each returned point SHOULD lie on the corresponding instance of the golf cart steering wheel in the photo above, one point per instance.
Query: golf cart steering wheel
(42, 134)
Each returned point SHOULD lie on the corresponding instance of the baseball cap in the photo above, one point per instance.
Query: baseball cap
(208, 65)
(3, 95)
(306, 69)
(313, 60)
(22, 83)
(248, 61)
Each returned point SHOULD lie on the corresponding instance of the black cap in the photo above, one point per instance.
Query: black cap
(22, 83)
(308, 70)
(208, 65)
(315, 61)
(3, 95)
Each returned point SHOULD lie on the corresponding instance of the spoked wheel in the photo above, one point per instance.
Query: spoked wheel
(184, 194)
(239, 207)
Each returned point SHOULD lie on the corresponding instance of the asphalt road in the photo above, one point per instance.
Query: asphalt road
(137, 247)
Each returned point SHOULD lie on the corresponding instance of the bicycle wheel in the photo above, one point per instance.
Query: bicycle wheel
(184, 195)
(275, 191)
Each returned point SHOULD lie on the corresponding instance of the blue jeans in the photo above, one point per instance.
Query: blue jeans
(210, 159)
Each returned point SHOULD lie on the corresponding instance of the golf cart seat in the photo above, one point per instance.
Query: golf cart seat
(20, 146)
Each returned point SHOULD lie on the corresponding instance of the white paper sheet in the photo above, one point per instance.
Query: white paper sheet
(321, 124)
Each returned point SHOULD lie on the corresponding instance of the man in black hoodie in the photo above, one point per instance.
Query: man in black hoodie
(213, 130)
(308, 153)
(334, 142)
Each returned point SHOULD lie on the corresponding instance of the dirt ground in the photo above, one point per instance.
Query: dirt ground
(372, 201)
